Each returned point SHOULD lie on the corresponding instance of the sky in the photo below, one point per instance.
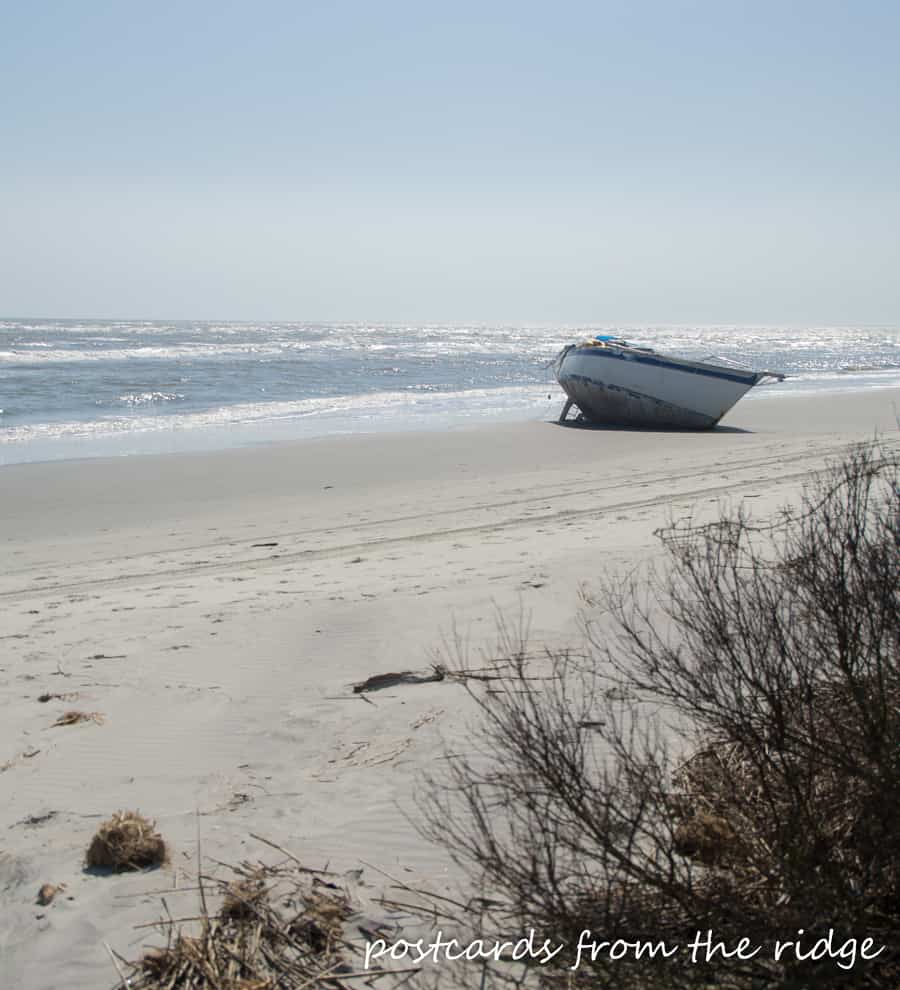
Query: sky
(636, 161)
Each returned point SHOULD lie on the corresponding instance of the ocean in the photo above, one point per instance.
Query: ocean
(87, 388)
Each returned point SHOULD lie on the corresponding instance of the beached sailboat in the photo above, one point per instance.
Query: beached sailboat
(618, 384)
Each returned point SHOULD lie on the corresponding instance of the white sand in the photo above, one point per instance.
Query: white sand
(222, 669)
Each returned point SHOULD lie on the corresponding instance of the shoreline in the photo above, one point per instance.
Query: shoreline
(167, 435)
(217, 608)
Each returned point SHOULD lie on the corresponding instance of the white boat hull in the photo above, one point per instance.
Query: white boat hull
(624, 386)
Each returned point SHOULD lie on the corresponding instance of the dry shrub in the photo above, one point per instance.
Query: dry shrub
(127, 841)
(772, 653)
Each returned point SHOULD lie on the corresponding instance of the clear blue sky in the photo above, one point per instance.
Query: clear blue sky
(608, 162)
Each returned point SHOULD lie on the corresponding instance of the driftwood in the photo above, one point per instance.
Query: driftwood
(378, 682)
(439, 672)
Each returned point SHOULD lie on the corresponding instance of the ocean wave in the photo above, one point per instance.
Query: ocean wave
(794, 349)
(355, 410)
(153, 353)
(287, 350)
(148, 398)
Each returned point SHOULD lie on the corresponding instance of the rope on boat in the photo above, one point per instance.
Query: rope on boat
(556, 361)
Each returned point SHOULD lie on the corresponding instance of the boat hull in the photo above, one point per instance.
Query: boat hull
(628, 387)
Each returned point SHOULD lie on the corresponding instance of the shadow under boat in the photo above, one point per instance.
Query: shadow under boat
(579, 423)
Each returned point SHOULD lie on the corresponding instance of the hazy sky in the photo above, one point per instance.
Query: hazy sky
(557, 161)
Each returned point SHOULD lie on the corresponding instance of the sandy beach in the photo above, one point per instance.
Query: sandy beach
(216, 609)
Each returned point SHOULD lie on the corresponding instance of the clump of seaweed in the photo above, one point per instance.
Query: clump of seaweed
(57, 696)
(48, 891)
(74, 717)
(278, 926)
(244, 897)
(708, 838)
(127, 841)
